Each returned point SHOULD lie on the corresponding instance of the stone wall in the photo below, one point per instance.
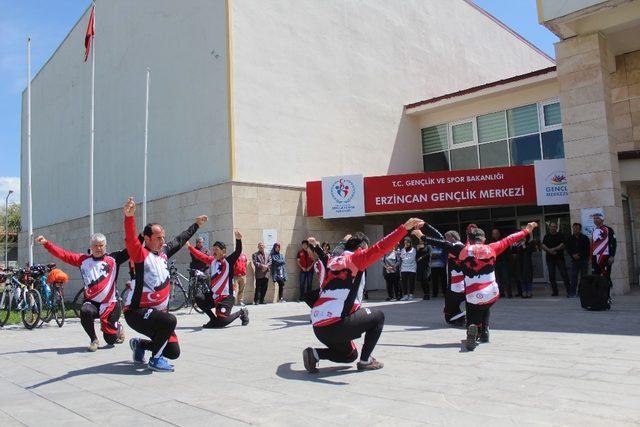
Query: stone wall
(625, 99)
(590, 143)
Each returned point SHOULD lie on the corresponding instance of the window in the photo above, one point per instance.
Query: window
(464, 158)
(492, 127)
(462, 133)
(525, 149)
(494, 154)
(523, 120)
(434, 139)
(436, 162)
(552, 145)
(551, 114)
(517, 136)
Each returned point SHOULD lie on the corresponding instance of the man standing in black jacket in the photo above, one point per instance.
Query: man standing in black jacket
(553, 244)
(578, 248)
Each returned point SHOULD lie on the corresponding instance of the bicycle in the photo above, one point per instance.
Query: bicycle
(28, 299)
(198, 285)
(52, 295)
(177, 295)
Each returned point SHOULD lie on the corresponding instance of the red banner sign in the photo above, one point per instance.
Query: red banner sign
(440, 190)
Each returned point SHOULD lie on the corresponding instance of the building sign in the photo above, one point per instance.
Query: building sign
(506, 186)
(343, 196)
(586, 216)
(551, 182)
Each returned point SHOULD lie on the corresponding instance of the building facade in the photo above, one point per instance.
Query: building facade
(248, 102)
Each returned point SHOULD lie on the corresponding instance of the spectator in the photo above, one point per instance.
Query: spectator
(437, 264)
(423, 268)
(502, 267)
(553, 245)
(240, 278)
(261, 266)
(408, 267)
(578, 248)
(524, 251)
(278, 270)
(603, 247)
(390, 264)
(195, 263)
(326, 247)
(305, 262)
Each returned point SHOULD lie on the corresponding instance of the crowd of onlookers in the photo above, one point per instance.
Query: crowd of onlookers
(414, 264)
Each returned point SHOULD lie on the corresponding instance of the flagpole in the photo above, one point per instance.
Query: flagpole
(29, 150)
(146, 138)
(93, 130)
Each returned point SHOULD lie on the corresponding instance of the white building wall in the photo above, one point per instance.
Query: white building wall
(320, 85)
(185, 45)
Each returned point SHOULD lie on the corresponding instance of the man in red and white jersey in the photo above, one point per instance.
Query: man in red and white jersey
(99, 271)
(454, 296)
(603, 247)
(220, 298)
(146, 306)
(337, 315)
(477, 261)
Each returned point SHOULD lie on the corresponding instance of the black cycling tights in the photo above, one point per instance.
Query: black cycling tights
(157, 325)
(338, 336)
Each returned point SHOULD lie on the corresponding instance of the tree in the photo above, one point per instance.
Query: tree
(13, 224)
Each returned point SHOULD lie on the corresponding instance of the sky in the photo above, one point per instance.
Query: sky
(49, 21)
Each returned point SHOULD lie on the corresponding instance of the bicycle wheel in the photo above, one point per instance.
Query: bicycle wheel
(58, 308)
(194, 290)
(177, 296)
(5, 306)
(31, 308)
(77, 302)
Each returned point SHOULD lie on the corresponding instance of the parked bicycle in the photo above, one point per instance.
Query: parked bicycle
(52, 295)
(178, 294)
(20, 296)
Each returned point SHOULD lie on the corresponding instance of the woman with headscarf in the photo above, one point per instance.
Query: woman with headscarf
(278, 270)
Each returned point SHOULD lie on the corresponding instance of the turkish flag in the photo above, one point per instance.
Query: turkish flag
(88, 36)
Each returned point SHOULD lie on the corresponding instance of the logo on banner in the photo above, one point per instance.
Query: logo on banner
(344, 196)
(342, 190)
(552, 185)
(556, 185)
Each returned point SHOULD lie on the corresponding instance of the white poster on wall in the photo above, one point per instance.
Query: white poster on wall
(551, 182)
(269, 238)
(342, 196)
(586, 216)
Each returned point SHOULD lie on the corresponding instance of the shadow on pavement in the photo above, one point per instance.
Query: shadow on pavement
(285, 371)
(444, 345)
(114, 368)
(60, 351)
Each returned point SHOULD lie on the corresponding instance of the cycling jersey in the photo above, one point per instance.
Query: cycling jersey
(151, 288)
(221, 271)
(99, 275)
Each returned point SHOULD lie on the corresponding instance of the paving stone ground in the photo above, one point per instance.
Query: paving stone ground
(549, 363)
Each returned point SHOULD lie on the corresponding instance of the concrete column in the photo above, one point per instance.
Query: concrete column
(584, 67)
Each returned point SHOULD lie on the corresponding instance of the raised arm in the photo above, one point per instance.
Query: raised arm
(71, 258)
(179, 241)
(501, 245)
(201, 256)
(231, 259)
(136, 251)
(315, 247)
(120, 256)
(435, 231)
(364, 258)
